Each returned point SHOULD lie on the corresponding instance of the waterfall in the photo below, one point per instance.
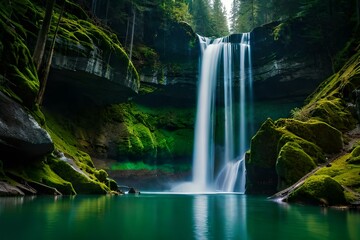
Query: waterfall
(218, 56)
(234, 170)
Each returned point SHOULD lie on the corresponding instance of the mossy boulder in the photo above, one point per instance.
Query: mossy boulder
(335, 113)
(310, 148)
(319, 190)
(41, 172)
(292, 164)
(261, 172)
(285, 150)
(328, 138)
(264, 139)
(81, 182)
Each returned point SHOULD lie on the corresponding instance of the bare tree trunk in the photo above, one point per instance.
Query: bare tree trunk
(45, 75)
(42, 37)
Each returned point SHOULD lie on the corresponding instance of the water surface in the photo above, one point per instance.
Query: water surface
(170, 216)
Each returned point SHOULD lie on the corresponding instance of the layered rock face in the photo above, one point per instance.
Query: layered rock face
(291, 66)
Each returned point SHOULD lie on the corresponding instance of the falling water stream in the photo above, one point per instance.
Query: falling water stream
(219, 56)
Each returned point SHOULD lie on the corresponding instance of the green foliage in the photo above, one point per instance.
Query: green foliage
(209, 20)
(177, 11)
(319, 190)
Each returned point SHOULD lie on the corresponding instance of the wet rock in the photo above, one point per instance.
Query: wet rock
(20, 134)
(9, 190)
(133, 191)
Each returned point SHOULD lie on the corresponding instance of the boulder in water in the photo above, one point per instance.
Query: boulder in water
(133, 191)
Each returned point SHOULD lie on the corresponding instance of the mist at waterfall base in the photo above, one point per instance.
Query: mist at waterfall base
(222, 169)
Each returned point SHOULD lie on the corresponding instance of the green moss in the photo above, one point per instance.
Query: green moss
(292, 164)
(335, 113)
(323, 135)
(177, 143)
(264, 145)
(309, 148)
(82, 183)
(84, 32)
(42, 173)
(355, 156)
(151, 134)
(286, 150)
(343, 171)
(66, 143)
(101, 175)
(319, 190)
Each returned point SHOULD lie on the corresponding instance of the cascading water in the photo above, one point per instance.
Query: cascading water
(233, 170)
(231, 176)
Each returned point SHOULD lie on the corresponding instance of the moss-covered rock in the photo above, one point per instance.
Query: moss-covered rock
(16, 66)
(261, 172)
(263, 153)
(328, 138)
(310, 148)
(86, 179)
(319, 190)
(292, 164)
(285, 150)
(81, 182)
(41, 172)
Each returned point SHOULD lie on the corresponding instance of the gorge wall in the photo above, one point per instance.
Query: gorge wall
(98, 102)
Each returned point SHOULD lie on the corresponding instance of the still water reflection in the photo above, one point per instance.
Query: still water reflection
(170, 216)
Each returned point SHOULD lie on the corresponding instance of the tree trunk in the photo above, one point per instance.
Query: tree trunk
(45, 74)
(42, 37)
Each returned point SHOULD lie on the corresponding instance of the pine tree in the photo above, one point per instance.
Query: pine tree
(218, 19)
(200, 11)
(234, 14)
